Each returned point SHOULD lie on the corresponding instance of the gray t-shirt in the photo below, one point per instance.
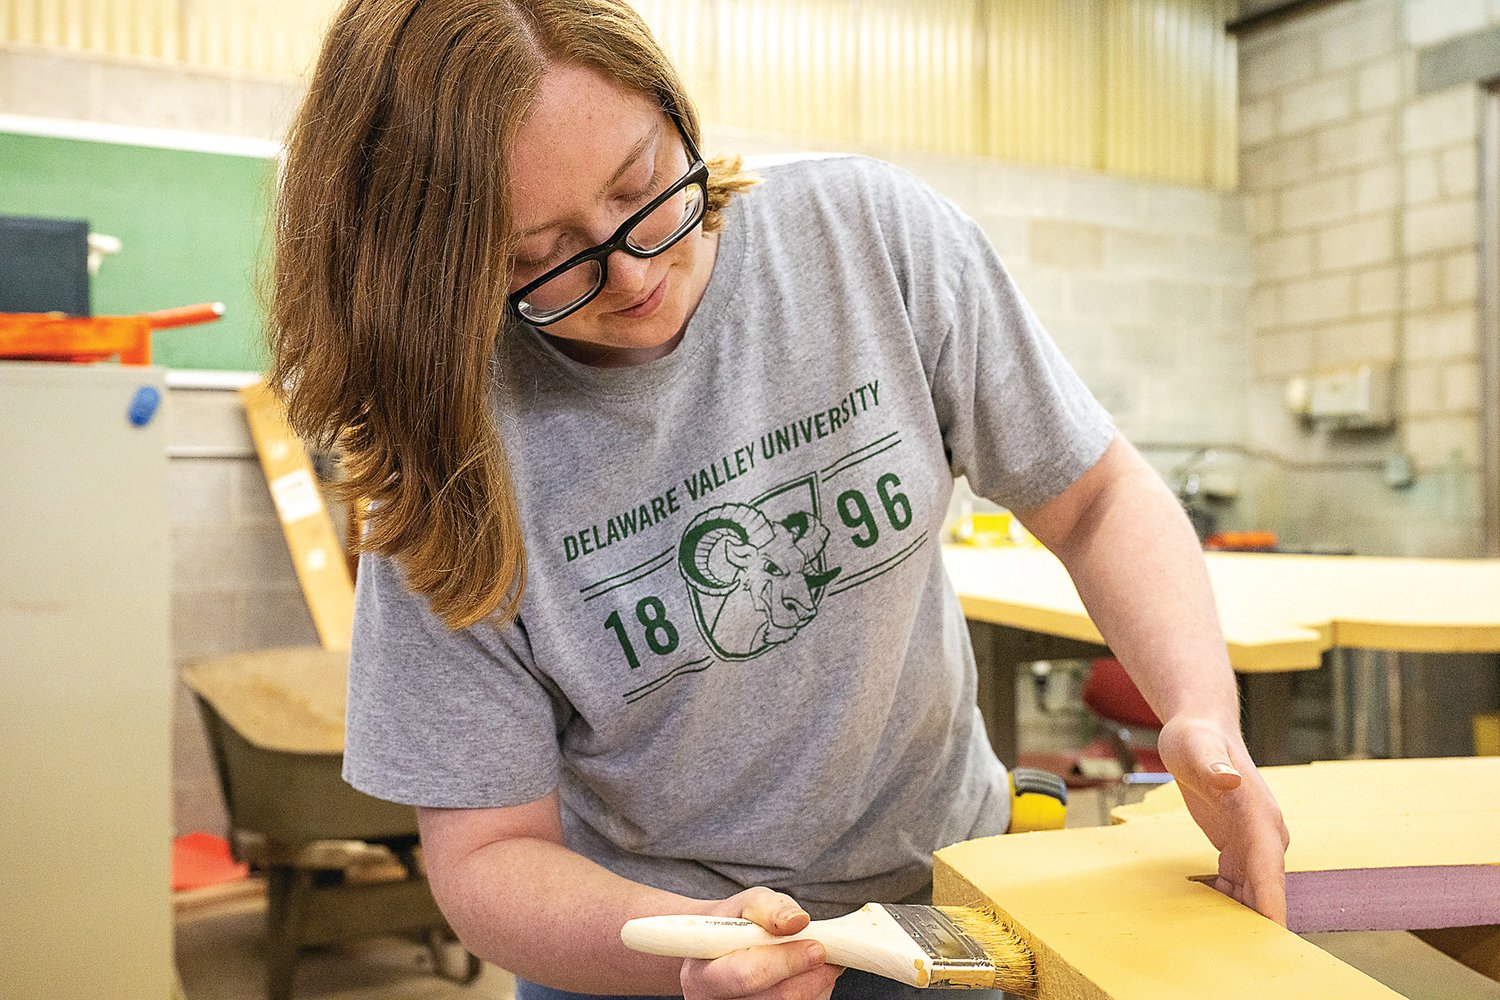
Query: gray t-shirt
(738, 657)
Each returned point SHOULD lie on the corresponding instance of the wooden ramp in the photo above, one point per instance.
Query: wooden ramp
(1117, 913)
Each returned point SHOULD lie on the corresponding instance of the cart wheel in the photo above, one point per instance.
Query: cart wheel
(445, 948)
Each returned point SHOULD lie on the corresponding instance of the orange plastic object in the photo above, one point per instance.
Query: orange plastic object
(56, 337)
(1242, 541)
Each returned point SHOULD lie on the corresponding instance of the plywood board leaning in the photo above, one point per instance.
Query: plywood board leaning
(321, 570)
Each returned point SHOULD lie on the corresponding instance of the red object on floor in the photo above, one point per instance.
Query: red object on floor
(201, 859)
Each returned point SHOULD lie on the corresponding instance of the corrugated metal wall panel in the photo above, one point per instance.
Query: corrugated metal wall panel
(784, 66)
(1144, 87)
(1141, 87)
(1043, 82)
(918, 79)
(686, 32)
(1169, 105)
(141, 28)
(1224, 106)
(274, 37)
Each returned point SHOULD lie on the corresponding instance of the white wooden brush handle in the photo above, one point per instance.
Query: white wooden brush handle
(867, 939)
(700, 937)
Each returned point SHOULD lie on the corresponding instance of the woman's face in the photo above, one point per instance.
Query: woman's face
(588, 155)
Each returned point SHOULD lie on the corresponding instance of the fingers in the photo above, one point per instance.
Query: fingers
(775, 911)
(1252, 869)
(1264, 892)
(1221, 774)
(795, 970)
(1257, 877)
(1270, 899)
(1252, 841)
(791, 971)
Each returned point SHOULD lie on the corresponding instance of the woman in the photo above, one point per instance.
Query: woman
(652, 617)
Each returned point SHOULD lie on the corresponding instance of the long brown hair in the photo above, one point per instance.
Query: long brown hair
(392, 255)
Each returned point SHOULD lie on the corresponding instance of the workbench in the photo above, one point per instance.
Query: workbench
(1280, 614)
(1122, 913)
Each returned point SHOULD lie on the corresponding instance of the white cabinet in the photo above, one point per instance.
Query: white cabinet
(85, 686)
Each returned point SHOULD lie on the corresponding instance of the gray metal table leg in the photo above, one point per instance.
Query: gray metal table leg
(996, 692)
(1359, 748)
(1395, 739)
(1267, 711)
(1338, 696)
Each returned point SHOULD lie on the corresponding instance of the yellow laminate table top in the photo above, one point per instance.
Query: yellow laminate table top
(1113, 913)
(1278, 612)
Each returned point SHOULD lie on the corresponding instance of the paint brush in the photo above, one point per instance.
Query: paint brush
(955, 947)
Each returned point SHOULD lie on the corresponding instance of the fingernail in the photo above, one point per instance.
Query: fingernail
(788, 913)
(815, 953)
(1219, 767)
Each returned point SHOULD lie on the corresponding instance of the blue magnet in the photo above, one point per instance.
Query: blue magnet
(143, 405)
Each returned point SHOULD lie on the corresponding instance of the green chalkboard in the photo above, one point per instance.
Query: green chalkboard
(193, 227)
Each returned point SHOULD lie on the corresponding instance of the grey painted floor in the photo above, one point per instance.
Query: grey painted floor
(1408, 966)
(220, 957)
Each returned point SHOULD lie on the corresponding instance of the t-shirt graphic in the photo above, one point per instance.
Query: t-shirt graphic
(751, 574)
(756, 578)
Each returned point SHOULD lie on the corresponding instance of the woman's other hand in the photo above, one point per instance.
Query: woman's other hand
(1228, 798)
(792, 971)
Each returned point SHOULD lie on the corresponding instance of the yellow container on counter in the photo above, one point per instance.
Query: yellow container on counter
(990, 529)
(1487, 734)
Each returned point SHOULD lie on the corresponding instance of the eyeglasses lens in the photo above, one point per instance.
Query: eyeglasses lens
(562, 291)
(667, 221)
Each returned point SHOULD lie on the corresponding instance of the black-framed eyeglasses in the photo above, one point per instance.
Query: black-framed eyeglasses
(654, 230)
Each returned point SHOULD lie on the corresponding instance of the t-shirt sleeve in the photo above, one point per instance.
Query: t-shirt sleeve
(1015, 418)
(441, 717)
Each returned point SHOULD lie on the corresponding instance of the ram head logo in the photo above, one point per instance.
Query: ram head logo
(756, 582)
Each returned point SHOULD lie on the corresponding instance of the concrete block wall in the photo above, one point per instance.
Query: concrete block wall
(48, 83)
(1363, 214)
(1145, 286)
(1363, 210)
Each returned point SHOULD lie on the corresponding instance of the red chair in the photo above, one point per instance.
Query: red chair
(1127, 746)
(1112, 696)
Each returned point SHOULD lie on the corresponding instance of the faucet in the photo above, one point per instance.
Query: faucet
(1187, 483)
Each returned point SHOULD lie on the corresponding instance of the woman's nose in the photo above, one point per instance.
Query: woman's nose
(627, 273)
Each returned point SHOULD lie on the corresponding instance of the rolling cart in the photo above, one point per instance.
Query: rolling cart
(275, 723)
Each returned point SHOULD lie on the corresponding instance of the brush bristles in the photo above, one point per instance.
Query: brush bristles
(1015, 967)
